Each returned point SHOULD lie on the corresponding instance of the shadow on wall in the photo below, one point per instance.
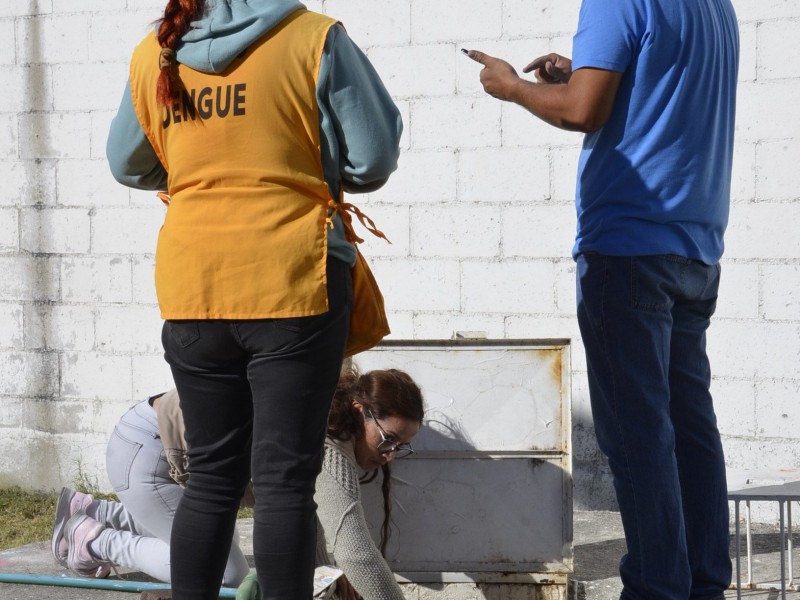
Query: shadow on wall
(443, 433)
(593, 483)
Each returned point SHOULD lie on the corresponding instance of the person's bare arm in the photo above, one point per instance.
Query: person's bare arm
(574, 100)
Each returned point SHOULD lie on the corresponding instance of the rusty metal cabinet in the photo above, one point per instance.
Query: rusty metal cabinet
(487, 497)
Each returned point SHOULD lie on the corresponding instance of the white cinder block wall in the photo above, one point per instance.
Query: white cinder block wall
(480, 214)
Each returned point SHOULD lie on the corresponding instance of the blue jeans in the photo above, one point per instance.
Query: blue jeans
(643, 320)
(255, 396)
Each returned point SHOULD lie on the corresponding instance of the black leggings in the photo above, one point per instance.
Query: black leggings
(255, 396)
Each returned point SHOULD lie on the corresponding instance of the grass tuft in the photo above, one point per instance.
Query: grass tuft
(25, 517)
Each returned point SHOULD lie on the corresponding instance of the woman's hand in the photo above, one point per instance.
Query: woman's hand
(346, 591)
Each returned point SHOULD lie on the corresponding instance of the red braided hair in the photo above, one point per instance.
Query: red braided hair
(178, 17)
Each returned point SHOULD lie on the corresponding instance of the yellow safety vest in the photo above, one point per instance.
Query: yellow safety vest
(244, 236)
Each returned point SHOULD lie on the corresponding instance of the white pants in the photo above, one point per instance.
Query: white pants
(138, 529)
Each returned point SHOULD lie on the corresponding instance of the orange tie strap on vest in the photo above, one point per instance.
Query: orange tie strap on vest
(344, 209)
(166, 58)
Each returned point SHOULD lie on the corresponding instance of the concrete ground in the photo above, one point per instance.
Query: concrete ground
(598, 545)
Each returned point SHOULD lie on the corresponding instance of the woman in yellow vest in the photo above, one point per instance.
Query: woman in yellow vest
(254, 116)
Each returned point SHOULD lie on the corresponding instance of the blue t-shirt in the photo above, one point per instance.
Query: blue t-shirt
(656, 178)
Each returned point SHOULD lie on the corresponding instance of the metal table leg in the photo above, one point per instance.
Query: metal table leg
(749, 533)
(738, 552)
(783, 552)
(789, 544)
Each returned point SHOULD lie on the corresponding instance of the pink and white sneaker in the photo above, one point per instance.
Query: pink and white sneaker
(69, 502)
(80, 531)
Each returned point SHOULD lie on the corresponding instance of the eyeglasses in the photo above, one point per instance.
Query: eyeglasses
(388, 445)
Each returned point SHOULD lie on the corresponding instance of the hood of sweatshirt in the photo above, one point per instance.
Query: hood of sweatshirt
(227, 28)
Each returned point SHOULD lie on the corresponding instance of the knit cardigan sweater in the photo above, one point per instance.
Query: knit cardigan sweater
(343, 537)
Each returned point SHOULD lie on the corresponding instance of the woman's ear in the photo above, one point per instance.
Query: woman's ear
(359, 408)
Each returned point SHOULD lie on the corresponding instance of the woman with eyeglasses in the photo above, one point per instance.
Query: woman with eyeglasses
(372, 420)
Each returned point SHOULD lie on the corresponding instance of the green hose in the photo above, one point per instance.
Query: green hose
(118, 585)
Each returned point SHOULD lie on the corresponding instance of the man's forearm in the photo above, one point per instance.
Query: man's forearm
(584, 103)
(552, 103)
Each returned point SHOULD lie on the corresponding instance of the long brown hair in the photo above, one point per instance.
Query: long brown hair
(177, 20)
(385, 393)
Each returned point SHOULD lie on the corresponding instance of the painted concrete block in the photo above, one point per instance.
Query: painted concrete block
(503, 175)
(126, 231)
(373, 22)
(399, 68)
(59, 327)
(54, 135)
(524, 18)
(12, 334)
(452, 20)
(128, 329)
(540, 231)
(778, 176)
(26, 88)
(455, 122)
(27, 182)
(28, 374)
(55, 230)
(780, 292)
(423, 177)
(95, 375)
(402, 281)
(455, 230)
(53, 39)
(95, 279)
(507, 287)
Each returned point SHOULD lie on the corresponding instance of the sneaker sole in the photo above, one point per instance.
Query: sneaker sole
(99, 570)
(60, 521)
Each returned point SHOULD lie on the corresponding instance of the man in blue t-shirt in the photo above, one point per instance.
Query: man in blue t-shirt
(652, 83)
